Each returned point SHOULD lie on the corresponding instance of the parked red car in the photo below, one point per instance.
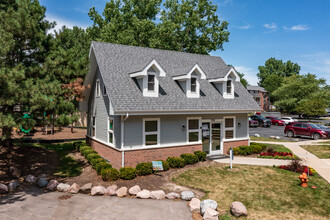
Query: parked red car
(275, 120)
(305, 129)
(253, 123)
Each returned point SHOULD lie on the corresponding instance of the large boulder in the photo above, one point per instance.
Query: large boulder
(172, 195)
(210, 214)
(238, 209)
(63, 187)
(30, 179)
(111, 190)
(52, 185)
(13, 185)
(195, 205)
(121, 192)
(98, 190)
(134, 190)
(86, 188)
(144, 194)
(15, 172)
(158, 194)
(208, 203)
(3, 188)
(74, 188)
(257, 135)
(187, 195)
(42, 182)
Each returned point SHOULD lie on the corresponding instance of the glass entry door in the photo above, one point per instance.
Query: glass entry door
(206, 137)
(216, 138)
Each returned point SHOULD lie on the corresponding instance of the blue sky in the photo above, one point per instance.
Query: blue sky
(296, 30)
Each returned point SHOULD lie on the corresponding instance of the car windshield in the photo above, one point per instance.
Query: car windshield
(314, 126)
(322, 127)
(262, 117)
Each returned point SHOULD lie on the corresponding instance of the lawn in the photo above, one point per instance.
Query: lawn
(321, 151)
(252, 138)
(323, 142)
(267, 192)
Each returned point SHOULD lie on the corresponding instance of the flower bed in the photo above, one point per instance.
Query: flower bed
(301, 169)
(278, 155)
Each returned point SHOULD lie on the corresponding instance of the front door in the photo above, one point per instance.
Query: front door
(211, 137)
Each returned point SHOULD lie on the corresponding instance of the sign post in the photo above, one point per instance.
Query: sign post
(157, 166)
(231, 158)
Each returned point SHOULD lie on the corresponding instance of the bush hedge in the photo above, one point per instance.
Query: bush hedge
(102, 165)
(166, 166)
(143, 169)
(84, 148)
(95, 161)
(254, 148)
(78, 144)
(175, 162)
(89, 151)
(201, 155)
(92, 156)
(127, 173)
(110, 174)
(189, 158)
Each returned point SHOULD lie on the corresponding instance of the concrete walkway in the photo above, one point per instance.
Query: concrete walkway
(35, 204)
(254, 161)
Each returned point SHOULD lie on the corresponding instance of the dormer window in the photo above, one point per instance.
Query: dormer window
(193, 84)
(229, 86)
(151, 82)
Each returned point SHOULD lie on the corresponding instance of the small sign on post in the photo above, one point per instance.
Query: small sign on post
(157, 165)
(231, 155)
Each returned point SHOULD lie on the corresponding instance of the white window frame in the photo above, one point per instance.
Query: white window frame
(97, 88)
(194, 130)
(228, 95)
(146, 91)
(111, 131)
(93, 126)
(104, 90)
(230, 128)
(144, 133)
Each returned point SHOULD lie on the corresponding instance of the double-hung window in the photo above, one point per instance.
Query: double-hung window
(151, 82)
(229, 127)
(151, 131)
(193, 84)
(98, 88)
(229, 87)
(93, 126)
(110, 131)
(193, 131)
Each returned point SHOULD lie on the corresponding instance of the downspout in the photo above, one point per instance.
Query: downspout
(122, 139)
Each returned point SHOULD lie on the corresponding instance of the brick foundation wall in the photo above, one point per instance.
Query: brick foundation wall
(233, 144)
(133, 157)
(109, 153)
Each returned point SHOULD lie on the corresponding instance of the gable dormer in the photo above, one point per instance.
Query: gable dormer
(225, 85)
(148, 78)
(190, 82)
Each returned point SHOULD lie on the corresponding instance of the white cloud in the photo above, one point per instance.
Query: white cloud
(60, 22)
(271, 26)
(299, 27)
(245, 27)
(250, 74)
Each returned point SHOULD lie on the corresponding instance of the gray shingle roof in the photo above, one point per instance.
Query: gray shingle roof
(256, 88)
(117, 61)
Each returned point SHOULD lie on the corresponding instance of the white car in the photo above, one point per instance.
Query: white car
(287, 120)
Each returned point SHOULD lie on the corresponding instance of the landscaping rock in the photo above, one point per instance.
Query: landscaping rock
(3, 188)
(42, 182)
(98, 190)
(63, 187)
(158, 194)
(195, 205)
(13, 185)
(187, 195)
(15, 172)
(134, 190)
(86, 188)
(121, 192)
(257, 135)
(172, 195)
(30, 179)
(208, 203)
(278, 137)
(111, 190)
(144, 194)
(74, 188)
(52, 185)
(272, 137)
(238, 209)
(210, 214)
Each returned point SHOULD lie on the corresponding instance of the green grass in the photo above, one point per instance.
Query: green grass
(321, 151)
(323, 142)
(252, 138)
(67, 166)
(277, 147)
(265, 191)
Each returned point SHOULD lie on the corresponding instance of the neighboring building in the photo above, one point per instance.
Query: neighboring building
(147, 104)
(261, 96)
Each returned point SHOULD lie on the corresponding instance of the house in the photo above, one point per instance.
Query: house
(261, 96)
(147, 104)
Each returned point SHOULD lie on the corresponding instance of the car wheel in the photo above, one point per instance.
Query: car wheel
(290, 134)
(316, 136)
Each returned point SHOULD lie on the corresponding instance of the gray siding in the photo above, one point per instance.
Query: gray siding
(171, 131)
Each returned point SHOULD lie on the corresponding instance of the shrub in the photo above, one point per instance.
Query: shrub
(96, 161)
(143, 169)
(166, 166)
(84, 148)
(201, 155)
(189, 158)
(127, 173)
(110, 174)
(91, 156)
(102, 165)
(254, 148)
(175, 162)
(89, 151)
(78, 144)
